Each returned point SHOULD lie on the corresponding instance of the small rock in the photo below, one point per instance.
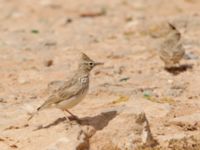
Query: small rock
(48, 63)
(187, 122)
(131, 27)
(22, 80)
(190, 56)
(50, 44)
(2, 100)
(119, 70)
(170, 81)
(68, 20)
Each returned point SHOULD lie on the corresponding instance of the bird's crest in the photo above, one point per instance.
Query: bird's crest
(85, 58)
(172, 26)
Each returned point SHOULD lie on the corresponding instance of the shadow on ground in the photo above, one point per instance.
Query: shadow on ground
(179, 69)
(98, 122)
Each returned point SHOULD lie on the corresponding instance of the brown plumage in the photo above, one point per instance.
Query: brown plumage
(171, 50)
(71, 92)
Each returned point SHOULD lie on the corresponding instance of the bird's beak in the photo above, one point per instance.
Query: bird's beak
(98, 63)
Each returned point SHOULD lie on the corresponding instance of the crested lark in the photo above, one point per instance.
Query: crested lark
(171, 50)
(71, 92)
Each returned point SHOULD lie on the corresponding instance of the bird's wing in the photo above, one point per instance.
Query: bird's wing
(180, 51)
(171, 40)
(55, 85)
(58, 84)
(64, 93)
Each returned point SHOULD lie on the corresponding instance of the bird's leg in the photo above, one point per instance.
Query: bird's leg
(72, 117)
(32, 115)
(69, 112)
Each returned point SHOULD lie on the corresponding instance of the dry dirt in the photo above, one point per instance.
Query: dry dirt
(40, 41)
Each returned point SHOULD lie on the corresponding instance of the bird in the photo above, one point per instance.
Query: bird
(72, 91)
(53, 86)
(171, 50)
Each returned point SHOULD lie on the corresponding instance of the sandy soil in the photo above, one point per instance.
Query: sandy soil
(40, 41)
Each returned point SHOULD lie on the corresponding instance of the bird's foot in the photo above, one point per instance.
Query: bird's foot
(74, 118)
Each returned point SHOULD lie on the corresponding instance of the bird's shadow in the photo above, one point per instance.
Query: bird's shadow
(98, 122)
(179, 69)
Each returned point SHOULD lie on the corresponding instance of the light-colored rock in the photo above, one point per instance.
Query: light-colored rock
(48, 130)
(125, 132)
(75, 139)
(192, 118)
(188, 122)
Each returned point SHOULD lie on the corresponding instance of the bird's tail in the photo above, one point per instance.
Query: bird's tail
(44, 105)
(41, 107)
(34, 113)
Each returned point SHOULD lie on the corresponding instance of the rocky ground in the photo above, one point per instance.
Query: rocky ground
(133, 103)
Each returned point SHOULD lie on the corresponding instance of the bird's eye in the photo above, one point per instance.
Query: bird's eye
(91, 64)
